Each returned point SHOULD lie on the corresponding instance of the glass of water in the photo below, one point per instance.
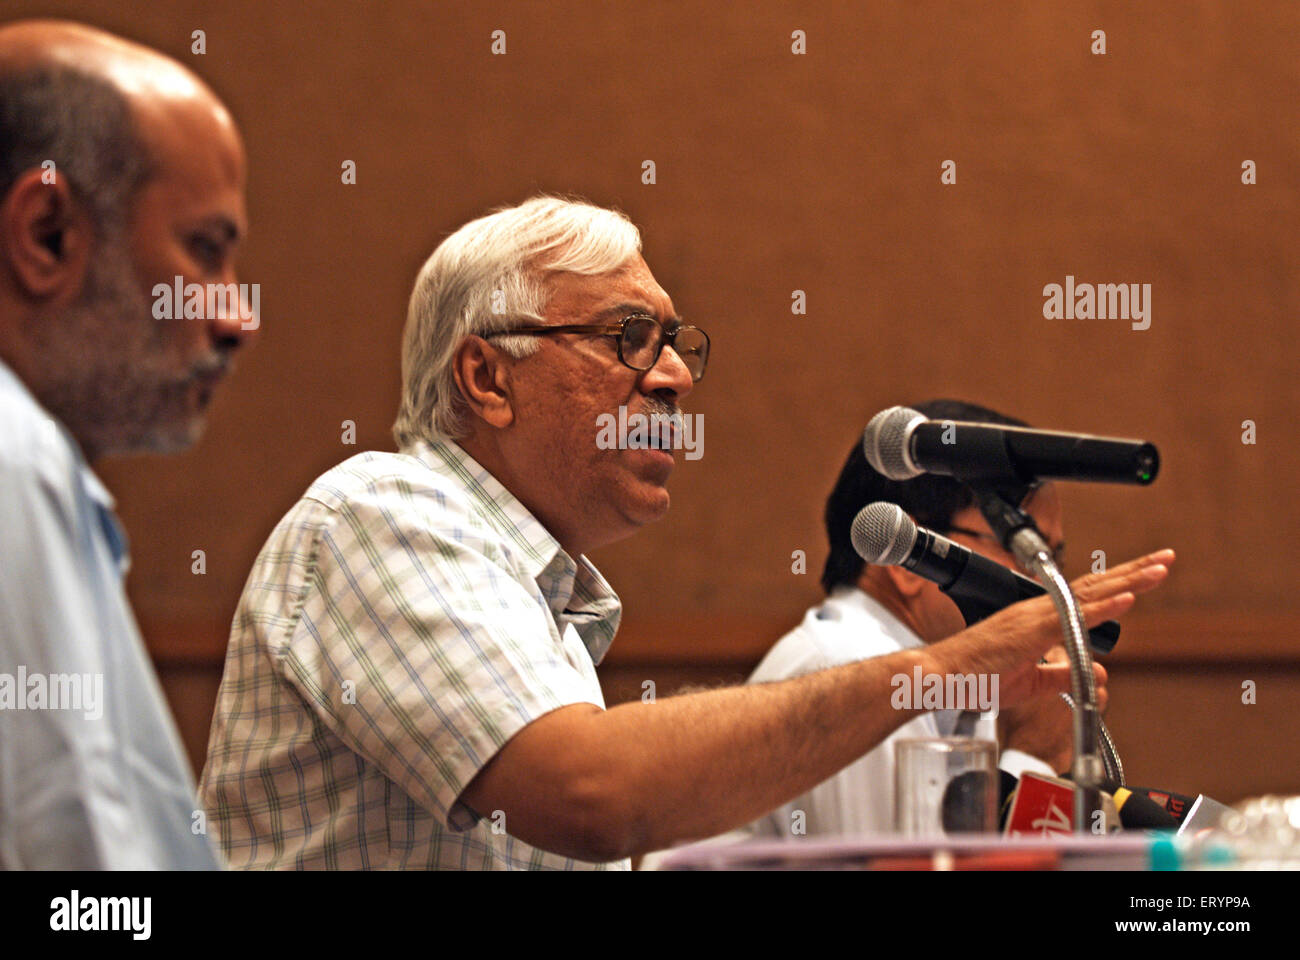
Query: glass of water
(945, 785)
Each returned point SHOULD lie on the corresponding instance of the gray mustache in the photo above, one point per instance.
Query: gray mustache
(656, 407)
(212, 366)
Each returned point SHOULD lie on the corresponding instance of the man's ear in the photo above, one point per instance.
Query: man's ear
(45, 236)
(483, 377)
(905, 582)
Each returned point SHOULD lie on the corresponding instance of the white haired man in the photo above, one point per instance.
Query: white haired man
(411, 674)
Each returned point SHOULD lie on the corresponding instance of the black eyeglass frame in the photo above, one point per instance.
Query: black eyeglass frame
(1058, 553)
(618, 331)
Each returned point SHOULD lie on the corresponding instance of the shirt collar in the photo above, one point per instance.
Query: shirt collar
(575, 591)
(114, 532)
(94, 488)
(857, 602)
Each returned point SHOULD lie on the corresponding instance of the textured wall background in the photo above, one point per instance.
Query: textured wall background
(778, 172)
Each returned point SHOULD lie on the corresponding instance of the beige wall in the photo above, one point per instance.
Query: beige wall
(775, 173)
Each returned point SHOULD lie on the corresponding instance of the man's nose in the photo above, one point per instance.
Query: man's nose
(238, 319)
(668, 373)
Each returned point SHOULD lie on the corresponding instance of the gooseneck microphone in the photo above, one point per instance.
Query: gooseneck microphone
(883, 534)
(901, 444)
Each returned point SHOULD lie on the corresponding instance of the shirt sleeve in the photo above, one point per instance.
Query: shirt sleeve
(70, 786)
(419, 646)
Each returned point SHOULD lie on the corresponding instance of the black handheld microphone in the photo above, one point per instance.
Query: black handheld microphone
(1165, 809)
(968, 796)
(883, 534)
(1137, 811)
(1176, 805)
(1190, 815)
(901, 444)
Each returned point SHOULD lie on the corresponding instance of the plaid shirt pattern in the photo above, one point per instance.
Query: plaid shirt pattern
(403, 621)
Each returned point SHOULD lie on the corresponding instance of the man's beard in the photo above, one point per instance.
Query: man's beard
(109, 371)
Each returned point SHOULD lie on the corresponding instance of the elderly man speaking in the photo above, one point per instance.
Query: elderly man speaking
(411, 680)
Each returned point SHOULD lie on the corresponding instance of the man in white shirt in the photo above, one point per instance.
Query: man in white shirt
(872, 611)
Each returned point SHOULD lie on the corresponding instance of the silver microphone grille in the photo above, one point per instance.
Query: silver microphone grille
(885, 439)
(883, 534)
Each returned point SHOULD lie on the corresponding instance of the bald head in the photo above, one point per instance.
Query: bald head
(133, 68)
(104, 106)
(119, 171)
(32, 42)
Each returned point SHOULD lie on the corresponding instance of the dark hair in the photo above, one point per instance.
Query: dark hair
(81, 122)
(930, 499)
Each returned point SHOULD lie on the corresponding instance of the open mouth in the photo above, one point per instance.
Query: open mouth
(654, 430)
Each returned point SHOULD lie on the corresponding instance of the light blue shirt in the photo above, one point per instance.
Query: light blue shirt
(92, 774)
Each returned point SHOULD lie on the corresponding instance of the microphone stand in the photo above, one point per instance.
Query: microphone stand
(1094, 751)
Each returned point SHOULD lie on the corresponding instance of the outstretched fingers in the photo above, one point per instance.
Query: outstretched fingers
(1136, 576)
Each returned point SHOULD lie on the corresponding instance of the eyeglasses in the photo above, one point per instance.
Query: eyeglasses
(1058, 552)
(641, 339)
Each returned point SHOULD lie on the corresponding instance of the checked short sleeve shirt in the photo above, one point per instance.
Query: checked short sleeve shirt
(403, 621)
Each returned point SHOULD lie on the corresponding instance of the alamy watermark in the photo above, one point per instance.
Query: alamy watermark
(1102, 301)
(653, 431)
(179, 300)
(53, 691)
(944, 691)
(75, 913)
